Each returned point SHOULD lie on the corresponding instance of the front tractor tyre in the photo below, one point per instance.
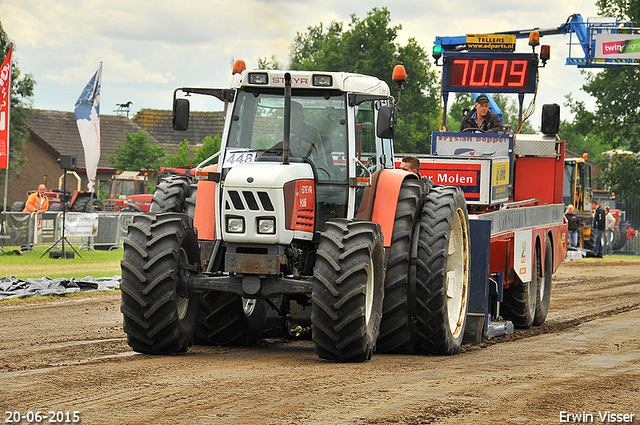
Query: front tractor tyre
(159, 316)
(442, 272)
(348, 290)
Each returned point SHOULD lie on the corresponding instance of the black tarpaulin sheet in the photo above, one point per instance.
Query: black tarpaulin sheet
(12, 287)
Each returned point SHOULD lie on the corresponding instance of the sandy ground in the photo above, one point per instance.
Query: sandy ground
(70, 354)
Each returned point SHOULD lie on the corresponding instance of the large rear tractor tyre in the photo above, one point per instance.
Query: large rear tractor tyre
(618, 239)
(442, 272)
(159, 317)
(588, 243)
(227, 319)
(55, 207)
(348, 290)
(544, 284)
(521, 300)
(396, 327)
(190, 201)
(17, 206)
(87, 204)
(170, 194)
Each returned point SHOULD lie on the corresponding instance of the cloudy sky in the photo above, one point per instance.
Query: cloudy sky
(148, 48)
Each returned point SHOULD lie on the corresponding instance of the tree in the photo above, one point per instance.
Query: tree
(420, 100)
(181, 158)
(615, 122)
(579, 134)
(21, 94)
(210, 146)
(616, 91)
(368, 47)
(622, 176)
(137, 153)
(618, 111)
(273, 63)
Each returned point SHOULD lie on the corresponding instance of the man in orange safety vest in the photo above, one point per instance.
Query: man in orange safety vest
(37, 202)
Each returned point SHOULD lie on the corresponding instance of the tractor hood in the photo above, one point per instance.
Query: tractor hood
(254, 192)
(266, 175)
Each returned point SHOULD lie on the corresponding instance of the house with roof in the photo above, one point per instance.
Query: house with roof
(55, 133)
(159, 124)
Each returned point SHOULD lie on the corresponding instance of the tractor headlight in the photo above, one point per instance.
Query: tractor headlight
(258, 78)
(235, 225)
(323, 80)
(267, 226)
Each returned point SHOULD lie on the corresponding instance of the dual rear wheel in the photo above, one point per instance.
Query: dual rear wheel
(427, 282)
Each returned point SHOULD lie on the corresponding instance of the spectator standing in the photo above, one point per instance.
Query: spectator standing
(609, 223)
(597, 227)
(574, 226)
(37, 202)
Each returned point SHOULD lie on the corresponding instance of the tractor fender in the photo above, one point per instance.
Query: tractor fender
(204, 218)
(380, 200)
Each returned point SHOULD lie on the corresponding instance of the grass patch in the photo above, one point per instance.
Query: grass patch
(29, 264)
(615, 258)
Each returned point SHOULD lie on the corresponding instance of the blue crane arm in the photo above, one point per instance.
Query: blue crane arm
(574, 25)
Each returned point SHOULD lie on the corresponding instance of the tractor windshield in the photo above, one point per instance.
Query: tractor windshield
(318, 128)
(123, 188)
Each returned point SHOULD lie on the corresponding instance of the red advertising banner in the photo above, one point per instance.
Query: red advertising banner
(467, 176)
(5, 100)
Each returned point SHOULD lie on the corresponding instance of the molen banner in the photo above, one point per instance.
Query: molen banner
(617, 46)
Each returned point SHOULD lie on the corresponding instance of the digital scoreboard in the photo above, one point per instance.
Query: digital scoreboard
(490, 72)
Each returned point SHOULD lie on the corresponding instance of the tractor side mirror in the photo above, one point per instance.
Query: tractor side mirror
(387, 119)
(181, 114)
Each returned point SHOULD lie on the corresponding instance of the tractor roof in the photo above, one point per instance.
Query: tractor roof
(343, 81)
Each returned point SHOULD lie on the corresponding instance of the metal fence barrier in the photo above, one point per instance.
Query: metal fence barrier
(89, 231)
(100, 230)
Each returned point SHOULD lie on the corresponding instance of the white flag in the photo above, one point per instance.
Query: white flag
(88, 120)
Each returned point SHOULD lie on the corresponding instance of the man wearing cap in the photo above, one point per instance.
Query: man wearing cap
(482, 118)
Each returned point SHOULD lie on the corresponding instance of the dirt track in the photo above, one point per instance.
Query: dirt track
(70, 354)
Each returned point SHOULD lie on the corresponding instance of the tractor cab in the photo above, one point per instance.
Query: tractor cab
(327, 133)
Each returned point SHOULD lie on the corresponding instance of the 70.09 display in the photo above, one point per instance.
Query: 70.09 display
(490, 72)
